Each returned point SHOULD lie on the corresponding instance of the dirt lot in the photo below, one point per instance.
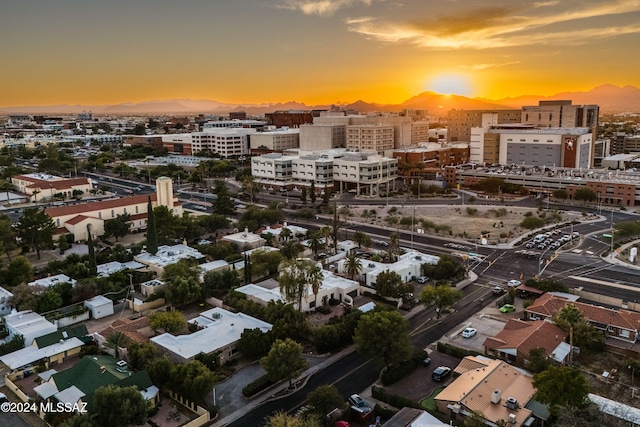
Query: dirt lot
(502, 222)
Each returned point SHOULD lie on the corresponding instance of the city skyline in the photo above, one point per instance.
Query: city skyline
(311, 51)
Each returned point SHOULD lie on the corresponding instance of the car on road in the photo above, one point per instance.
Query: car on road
(468, 332)
(514, 283)
(507, 308)
(441, 373)
(423, 279)
(497, 290)
(426, 361)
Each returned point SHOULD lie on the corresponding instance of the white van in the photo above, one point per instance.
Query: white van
(539, 238)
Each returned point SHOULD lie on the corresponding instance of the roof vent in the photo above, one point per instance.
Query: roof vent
(496, 396)
(512, 403)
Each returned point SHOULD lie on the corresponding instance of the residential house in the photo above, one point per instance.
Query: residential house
(5, 301)
(518, 338)
(408, 266)
(77, 384)
(49, 281)
(219, 331)
(53, 348)
(491, 388)
(167, 255)
(411, 417)
(619, 324)
(28, 324)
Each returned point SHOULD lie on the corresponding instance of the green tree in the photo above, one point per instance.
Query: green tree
(141, 355)
(560, 194)
(303, 195)
(152, 234)
(532, 222)
(290, 249)
(131, 406)
(389, 284)
(442, 296)
(254, 343)
(214, 222)
(162, 371)
(384, 336)
(193, 380)
(585, 194)
(93, 265)
(314, 243)
(361, 239)
(312, 193)
(537, 360)
(117, 227)
(559, 386)
(284, 361)
(222, 204)
(294, 281)
(48, 301)
(581, 333)
(336, 225)
(183, 280)
(170, 321)
(353, 266)
(35, 228)
(18, 271)
(323, 400)
(216, 283)
(139, 129)
(7, 236)
(263, 263)
(83, 420)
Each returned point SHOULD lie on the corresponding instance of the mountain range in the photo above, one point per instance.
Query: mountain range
(610, 98)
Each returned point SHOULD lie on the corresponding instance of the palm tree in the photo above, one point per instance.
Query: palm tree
(285, 234)
(569, 316)
(325, 232)
(314, 277)
(394, 244)
(352, 266)
(290, 249)
(314, 243)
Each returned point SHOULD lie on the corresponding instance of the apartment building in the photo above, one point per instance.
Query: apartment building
(364, 173)
(272, 171)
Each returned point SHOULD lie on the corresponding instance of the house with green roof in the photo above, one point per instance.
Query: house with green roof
(50, 349)
(77, 384)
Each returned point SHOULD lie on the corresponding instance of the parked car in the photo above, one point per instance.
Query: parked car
(441, 373)
(356, 400)
(507, 308)
(542, 246)
(426, 361)
(468, 332)
(530, 245)
(423, 279)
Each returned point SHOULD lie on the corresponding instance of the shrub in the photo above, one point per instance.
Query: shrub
(384, 412)
(393, 399)
(400, 370)
(455, 351)
(257, 386)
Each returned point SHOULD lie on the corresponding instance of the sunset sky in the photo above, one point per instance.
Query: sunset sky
(314, 51)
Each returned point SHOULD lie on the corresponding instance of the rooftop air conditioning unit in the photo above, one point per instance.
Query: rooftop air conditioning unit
(512, 418)
(512, 403)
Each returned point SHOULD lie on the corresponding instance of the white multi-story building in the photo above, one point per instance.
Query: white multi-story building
(363, 173)
(218, 124)
(227, 142)
(532, 146)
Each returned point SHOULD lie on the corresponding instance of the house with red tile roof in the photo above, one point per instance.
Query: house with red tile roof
(39, 186)
(519, 337)
(623, 325)
(75, 218)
